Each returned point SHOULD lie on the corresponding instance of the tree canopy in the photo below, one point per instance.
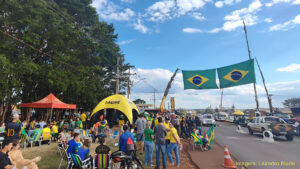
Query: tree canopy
(139, 101)
(58, 47)
(292, 102)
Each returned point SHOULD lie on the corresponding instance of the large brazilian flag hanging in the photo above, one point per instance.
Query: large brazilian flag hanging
(200, 79)
(237, 74)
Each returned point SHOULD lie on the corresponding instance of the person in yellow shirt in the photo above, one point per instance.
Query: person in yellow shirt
(166, 124)
(54, 131)
(174, 145)
(83, 119)
(46, 133)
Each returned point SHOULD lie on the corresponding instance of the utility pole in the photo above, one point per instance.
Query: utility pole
(129, 84)
(268, 96)
(249, 53)
(118, 76)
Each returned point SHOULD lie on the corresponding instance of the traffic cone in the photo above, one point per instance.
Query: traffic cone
(228, 163)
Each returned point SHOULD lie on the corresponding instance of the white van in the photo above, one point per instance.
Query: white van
(222, 116)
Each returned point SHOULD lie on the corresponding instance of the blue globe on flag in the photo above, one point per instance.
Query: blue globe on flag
(197, 80)
(236, 75)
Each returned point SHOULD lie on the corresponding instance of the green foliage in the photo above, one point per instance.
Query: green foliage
(139, 101)
(292, 102)
(76, 56)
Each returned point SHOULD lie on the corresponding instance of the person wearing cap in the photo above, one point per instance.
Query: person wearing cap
(13, 129)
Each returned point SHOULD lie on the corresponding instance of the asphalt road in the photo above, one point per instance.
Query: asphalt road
(258, 153)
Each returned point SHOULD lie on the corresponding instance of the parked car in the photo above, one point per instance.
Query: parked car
(221, 116)
(284, 116)
(274, 124)
(207, 119)
(296, 123)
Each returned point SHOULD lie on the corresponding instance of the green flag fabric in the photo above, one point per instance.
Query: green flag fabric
(237, 74)
(200, 79)
(211, 134)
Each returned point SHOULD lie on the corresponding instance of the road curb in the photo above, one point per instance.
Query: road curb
(189, 156)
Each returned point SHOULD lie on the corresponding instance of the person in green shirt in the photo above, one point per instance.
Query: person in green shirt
(78, 123)
(149, 144)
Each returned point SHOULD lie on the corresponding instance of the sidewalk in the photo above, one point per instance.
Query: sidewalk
(212, 159)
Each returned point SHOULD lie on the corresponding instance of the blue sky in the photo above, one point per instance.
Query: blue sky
(158, 36)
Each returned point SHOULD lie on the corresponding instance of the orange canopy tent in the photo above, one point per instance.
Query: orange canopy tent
(50, 102)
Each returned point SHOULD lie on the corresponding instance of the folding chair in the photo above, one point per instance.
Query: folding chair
(102, 161)
(24, 138)
(197, 142)
(82, 164)
(64, 156)
(36, 138)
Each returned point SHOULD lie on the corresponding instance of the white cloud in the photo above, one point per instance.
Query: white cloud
(185, 6)
(126, 42)
(110, 11)
(268, 20)
(161, 10)
(198, 16)
(235, 18)
(140, 27)
(296, 2)
(240, 96)
(286, 25)
(216, 30)
(169, 9)
(290, 68)
(219, 4)
(127, 1)
(273, 2)
(191, 30)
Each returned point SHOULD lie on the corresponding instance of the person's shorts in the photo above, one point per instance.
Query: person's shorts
(140, 137)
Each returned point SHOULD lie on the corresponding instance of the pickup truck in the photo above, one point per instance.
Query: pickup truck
(274, 124)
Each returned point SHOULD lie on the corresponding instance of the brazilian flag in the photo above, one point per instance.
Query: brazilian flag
(199, 79)
(237, 74)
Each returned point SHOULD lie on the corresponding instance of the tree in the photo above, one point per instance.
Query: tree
(139, 101)
(292, 102)
(61, 48)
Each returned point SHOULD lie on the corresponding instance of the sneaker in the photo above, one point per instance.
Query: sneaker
(156, 167)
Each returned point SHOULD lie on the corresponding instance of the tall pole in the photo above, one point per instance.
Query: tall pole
(249, 53)
(221, 101)
(128, 87)
(268, 96)
(118, 77)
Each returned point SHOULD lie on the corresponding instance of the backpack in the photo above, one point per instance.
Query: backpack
(129, 145)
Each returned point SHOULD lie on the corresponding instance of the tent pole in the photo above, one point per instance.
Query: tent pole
(51, 114)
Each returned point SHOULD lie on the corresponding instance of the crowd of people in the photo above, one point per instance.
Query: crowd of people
(149, 132)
